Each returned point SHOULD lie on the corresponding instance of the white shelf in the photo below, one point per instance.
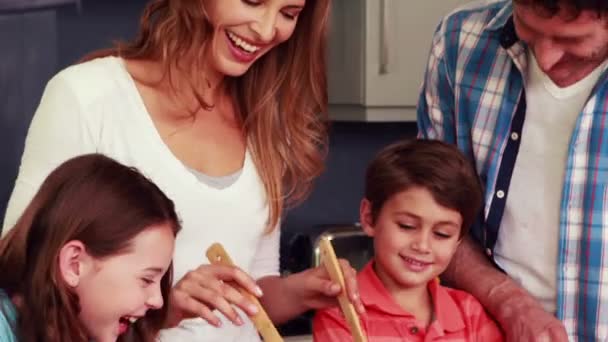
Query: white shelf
(371, 114)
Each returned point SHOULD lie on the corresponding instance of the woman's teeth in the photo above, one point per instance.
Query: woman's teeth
(242, 44)
(129, 319)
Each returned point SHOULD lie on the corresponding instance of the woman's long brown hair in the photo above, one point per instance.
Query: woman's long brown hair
(103, 204)
(282, 99)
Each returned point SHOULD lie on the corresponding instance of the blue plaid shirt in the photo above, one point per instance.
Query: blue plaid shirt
(473, 96)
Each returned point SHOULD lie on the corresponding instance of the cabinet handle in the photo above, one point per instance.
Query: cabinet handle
(384, 44)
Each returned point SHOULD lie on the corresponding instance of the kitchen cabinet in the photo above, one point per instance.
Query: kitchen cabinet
(377, 56)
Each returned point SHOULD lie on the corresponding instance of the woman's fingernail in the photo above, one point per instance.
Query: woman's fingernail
(217, 323)
(253, 309)
(335, 288)
(258, 291)
(238, 320)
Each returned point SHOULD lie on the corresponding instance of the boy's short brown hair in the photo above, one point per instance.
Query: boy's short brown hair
(436, 166)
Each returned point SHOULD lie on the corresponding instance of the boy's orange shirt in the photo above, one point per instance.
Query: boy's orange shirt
(458, 316)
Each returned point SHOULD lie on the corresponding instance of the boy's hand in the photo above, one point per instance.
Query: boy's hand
(314, 289)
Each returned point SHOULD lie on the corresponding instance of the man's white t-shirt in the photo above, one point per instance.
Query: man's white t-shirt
(529, 232)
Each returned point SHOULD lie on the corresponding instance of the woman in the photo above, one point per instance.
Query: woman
(219, 102)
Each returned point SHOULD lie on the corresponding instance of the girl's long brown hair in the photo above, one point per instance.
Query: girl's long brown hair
(282, 99)
(101, 203)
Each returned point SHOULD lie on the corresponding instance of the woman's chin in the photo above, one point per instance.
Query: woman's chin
(235, 71)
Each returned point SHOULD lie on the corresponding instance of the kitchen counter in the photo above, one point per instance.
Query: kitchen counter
(300, 338)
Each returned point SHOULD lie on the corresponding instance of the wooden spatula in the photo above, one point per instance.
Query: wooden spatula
(217, 255)
(330, 261)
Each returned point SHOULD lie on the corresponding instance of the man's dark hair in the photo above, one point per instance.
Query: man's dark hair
(573, 7)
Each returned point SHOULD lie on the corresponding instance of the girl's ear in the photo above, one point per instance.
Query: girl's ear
(460, 238)
(366, 217)
(73, 258)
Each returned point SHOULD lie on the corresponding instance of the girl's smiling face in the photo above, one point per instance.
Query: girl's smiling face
(117, 290)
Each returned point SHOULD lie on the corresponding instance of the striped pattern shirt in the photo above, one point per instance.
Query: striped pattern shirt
(473, 96)
(458, 317)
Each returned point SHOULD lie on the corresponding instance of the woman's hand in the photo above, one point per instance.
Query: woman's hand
(314, 289)
(209, 288)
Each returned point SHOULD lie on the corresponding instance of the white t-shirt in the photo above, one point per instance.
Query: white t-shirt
(529, 232)
(95, 107)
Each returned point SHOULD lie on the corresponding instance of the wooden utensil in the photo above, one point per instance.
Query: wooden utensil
(217, 255)
(330, 261)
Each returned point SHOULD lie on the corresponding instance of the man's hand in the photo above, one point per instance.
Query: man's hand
(520, 316)
(523, 319)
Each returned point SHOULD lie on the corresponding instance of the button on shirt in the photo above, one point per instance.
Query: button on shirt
(458, 316)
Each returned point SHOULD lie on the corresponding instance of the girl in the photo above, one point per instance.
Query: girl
(90, 258)
(222, 103)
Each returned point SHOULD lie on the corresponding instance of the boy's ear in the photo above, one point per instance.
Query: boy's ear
(72, 259)
(366, 218)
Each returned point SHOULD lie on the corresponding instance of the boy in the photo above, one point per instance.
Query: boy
(421, 197)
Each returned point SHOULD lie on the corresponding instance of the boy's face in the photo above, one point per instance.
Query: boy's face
(414, 238)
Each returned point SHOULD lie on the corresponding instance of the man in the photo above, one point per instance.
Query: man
(520, 86)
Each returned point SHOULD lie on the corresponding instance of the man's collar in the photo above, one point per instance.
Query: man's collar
(503, 24)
